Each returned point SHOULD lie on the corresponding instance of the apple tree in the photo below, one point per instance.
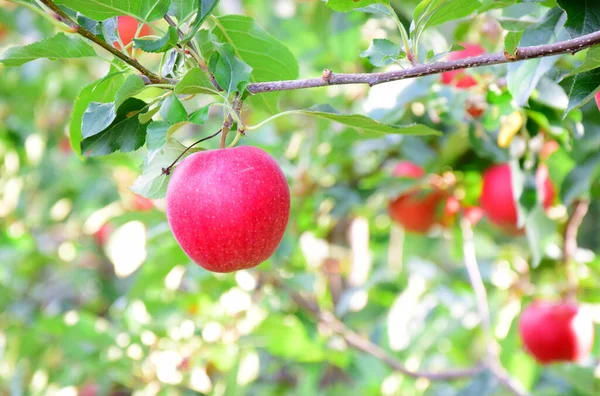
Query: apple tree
(299, 197)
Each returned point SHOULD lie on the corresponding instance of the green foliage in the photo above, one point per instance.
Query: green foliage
(129, 312)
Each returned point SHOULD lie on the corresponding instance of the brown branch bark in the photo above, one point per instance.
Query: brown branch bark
(570, 243)
(362, 344)
(538, 51)
(152, 77)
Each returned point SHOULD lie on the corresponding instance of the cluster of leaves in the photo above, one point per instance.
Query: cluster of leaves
(71, 320)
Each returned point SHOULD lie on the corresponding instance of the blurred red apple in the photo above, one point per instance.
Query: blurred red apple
(497, 198)
(228, 208)
(127, 26)
(548, 148)
(597, 97)
(459, 78)
(416, 211)
(89, 390)
(556, 332)
(101, 236)
(142, 204)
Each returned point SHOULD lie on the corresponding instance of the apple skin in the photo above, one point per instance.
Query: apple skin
(127, 27)
(556, 331)
(101, 236)
(415, 211)
(597, 97)
(228, 208)
(497, 195)
(459, 78)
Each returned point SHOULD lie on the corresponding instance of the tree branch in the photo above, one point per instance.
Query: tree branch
(492, 361)
(153, 78)
(570, 246)
(537, 51)
(362, 344)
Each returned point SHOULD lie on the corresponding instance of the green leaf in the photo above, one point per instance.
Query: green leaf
(297, 346)
(523, 77)
(125, 134)
(381, 52)
(269, 58)
(430, 13)
(579, 180)
(131, 87)
(183, 9)
(200, 116)
(540, 231)
(56, 47)
(585, 86)
(592, 61)
(103, 90)
(375, 9)
(196, 81)
(345, 5)
(205, 8)
(97, 117)
(165, 43)
(229, 71)
(583, 16)
(156, 134)
(172, 110)
(145, 10)
(152, 183)
(372, 127)
(511, 41)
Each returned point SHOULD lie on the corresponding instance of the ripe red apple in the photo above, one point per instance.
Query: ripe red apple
(416, 211)
(556, 331)
(597, 97)
(497, 199)
(459, 78)
(127, 26)
(228, 208)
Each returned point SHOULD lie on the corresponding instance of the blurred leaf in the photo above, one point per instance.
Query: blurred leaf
(269, 58)
(540, 232)
(366, 124)
(483, 384)
(229, 71)
(583, 16)
(157, 134)
(592, 61)
(375, 9)
(199, 116)
(124, 134)
(56, 47)
(585, 86)
(511, 41)
(172, 110)
(183, 9)
(579, 180)
(381, 52)
(523, 77)
(551, 94)
(580, 378)
(163, 44)
(345, 5)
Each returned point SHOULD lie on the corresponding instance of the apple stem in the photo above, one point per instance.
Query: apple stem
(168, 169)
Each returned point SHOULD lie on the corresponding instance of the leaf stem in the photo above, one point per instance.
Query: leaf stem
(413, 58)
(167, 170)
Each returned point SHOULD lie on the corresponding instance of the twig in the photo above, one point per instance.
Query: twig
(492, 361)
(537, 51)
(570, 246)
(237, 107)
(153, 78)
(364, 345)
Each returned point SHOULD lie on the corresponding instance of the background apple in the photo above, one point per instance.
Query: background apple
(228, 208)
(497, 199)
(556, 331)
(127, 27)
(459, 78)
(416, 211)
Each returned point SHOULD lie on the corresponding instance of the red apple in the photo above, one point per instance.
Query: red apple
(548, 148)
(556, 331)
(142, 204)
(459, 78)
(497, 199)
(597, 97)
(228, 208)
(127, 26)
(101, 236)
(89, 390)
(452, 209)
(416, 211)
(473, 214)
